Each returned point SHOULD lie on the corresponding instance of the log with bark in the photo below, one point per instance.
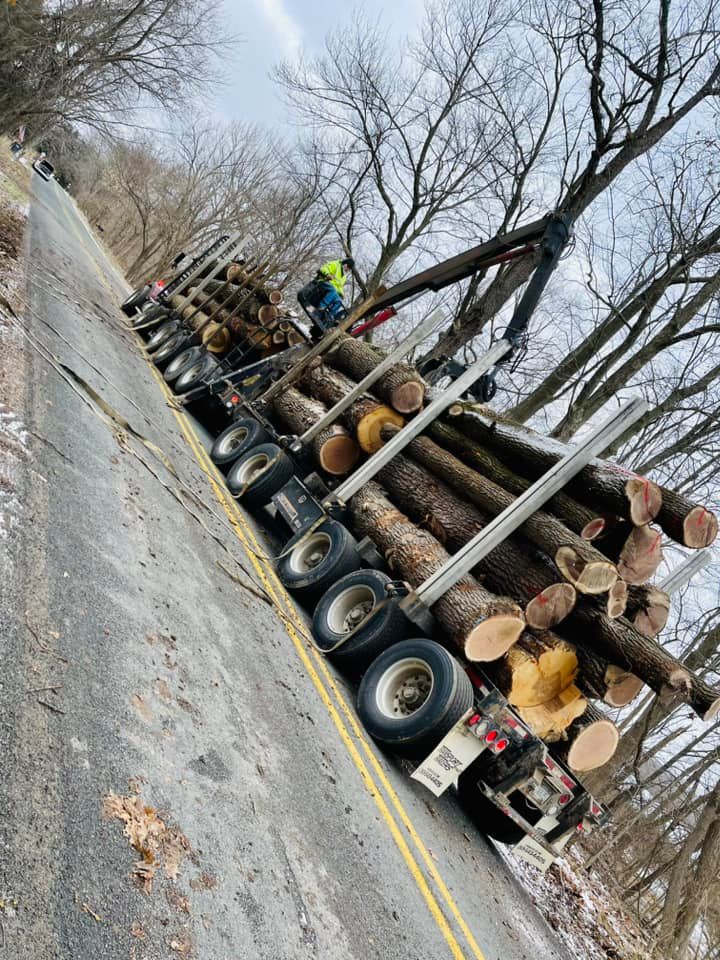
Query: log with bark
(401, 386)
(574, 515)
(578, 561)
(600, 484)
(605, 681)
(512, 569)
(641, 555)
(474, 618)
(588, 743)
(333, 448)
(620, 643)
(648, 608)
(366, 416)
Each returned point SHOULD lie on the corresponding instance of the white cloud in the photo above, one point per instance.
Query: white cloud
(281, 21)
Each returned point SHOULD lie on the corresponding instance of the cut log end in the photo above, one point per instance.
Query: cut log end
(594, 746)
(700, 528)
(594, 530)
(590, 578)
(338, 455)
(551, 606)
(493, 637)
(550, 720)
(408, 397)
(622, 686)
(641, 555)
(370, 427)
(275, 297)
(538, 680)
(645, 500)
(617, 599)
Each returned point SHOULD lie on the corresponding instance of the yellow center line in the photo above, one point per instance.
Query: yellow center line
(298, 634)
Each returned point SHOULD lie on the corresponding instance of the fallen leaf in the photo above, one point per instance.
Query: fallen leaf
(181, 943)
(163, 690)
(87, 909)
(137, 930)
(178, 901)
(142, 708)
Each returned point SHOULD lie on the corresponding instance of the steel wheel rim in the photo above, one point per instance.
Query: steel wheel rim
(177, 363)
(194, 371)
(350, 607)
(232, 440)
(404, 688)
(310, 554)
(250, 469)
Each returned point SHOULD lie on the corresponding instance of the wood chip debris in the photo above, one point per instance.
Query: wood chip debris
(161, 847)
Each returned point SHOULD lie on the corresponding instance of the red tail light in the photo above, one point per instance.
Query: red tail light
(491, 736)
(500, 746)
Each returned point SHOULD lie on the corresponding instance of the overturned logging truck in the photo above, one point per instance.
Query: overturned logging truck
(490, 589)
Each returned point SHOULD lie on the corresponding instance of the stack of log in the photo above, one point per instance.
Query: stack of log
(563, 615)
(240, 310)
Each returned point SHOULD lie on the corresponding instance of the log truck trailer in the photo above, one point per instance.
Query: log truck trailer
(415, 697)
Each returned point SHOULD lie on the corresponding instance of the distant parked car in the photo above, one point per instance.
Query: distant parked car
(44, 168)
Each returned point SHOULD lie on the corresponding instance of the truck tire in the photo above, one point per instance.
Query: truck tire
(412, 695)
(195, 374)
(260, 473)
(315, 561)
(235, 440)
(182, 362)
(343, 606)
(174, 345)
(150, 319)
(160, 336)
(135, 300)
(489, 818)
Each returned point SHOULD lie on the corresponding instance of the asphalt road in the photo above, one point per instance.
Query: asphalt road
(134, 665)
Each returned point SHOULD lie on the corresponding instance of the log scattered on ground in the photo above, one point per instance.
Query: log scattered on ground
(333, 448)
(366, 417)
(478, 622)
(401, 386)
(589, 572)
(513, 569)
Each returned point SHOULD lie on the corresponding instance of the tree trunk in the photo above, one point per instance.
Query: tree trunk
(602, 485)
(510, 569)
(685, 522)
(366, 416)
(536, 670)
(574, 515)
(648, 608)
(620, 643)
(591, 741)
(478, 622)
(601, 680)
(333, 448)
(609, 534)
(550, 720)
(401, 386)
(590, 573)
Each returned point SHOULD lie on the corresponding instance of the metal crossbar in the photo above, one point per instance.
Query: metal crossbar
(221, 252)
(403, 348)
(682, 574)
(377, 461)
(526, 504)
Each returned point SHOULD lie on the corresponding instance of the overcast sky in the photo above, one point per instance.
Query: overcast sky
(274, 29)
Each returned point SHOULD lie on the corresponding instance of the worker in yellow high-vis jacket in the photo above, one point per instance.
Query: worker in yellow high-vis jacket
(337, 273)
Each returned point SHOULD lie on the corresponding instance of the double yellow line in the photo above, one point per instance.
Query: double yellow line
(343, 717)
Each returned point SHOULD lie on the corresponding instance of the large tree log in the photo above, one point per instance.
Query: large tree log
(641, 555)
(333, 448)
(606, 484)
(574, 515)
(366, 416)
(512, 569)
(401, 386)
(605, 681)
(589, 742)
(473, 617)
(620, 643)
(589, 572)
(536, 670)
(602, 485)
(648, 608)
(550, 720)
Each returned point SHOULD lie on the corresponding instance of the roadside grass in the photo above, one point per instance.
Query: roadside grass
(14, 176)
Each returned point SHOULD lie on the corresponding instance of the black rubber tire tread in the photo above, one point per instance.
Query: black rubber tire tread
(183, 386)
(341, 559)
(451, 696)
(256, 434)
(489, 818)
(385, 628)
(155, 316)
(136, 298)
(191, 355)
(159, 337)
(172, 347)
(272, 480)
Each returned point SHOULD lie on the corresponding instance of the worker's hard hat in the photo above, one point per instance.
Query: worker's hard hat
(348, 262)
